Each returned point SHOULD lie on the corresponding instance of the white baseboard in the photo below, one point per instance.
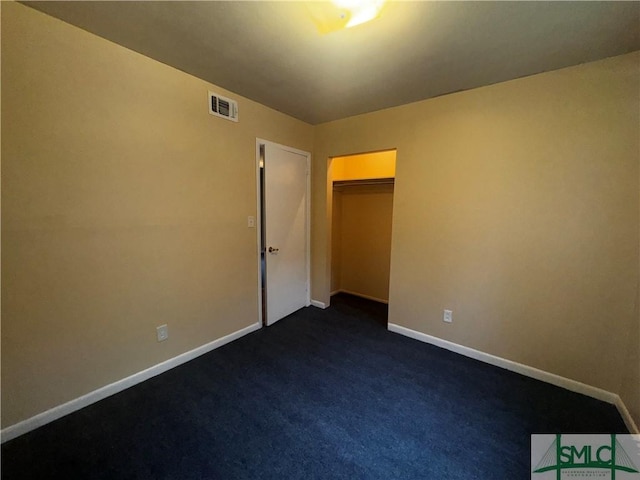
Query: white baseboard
(71, 406)
(362, 295)
(552, 378)
(626, 416)
(55, 413)
(318, 304)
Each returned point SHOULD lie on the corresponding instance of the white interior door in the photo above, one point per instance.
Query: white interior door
(286, 231)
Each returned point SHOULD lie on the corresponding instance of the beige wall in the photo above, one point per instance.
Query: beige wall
(125, 206)
(364, 239)
(336, 242)
(630, 390)
(516, 206)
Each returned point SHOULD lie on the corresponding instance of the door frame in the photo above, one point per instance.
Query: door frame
(260, 142)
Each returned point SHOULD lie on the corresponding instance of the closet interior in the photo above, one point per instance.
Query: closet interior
(362, 214)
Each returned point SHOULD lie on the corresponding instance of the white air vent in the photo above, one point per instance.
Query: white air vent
(223, 107)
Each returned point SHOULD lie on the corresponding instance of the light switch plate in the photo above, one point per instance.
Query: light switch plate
(163, 333)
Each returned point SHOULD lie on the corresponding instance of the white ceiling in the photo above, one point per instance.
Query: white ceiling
(271, 52)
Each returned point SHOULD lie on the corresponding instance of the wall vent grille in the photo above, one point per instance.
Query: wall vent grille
(223, 107)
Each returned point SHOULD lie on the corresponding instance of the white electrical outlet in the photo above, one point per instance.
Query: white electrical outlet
(162, 332)
(448, 316)
(251, 222)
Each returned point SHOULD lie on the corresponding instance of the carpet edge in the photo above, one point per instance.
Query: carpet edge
(526, 370)
(48, 416)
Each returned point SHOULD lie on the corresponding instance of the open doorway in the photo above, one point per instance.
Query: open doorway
(362, 189)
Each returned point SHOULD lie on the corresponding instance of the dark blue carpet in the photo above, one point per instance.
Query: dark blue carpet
(320, 395)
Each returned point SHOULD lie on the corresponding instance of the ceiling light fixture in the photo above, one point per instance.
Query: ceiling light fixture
(360, 11)
(340, 14)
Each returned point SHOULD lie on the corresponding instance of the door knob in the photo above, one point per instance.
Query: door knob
(273, 250)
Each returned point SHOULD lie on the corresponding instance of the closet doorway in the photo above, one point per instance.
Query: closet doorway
(361, 221)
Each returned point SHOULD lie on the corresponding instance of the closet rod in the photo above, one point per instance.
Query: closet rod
(369, 181)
